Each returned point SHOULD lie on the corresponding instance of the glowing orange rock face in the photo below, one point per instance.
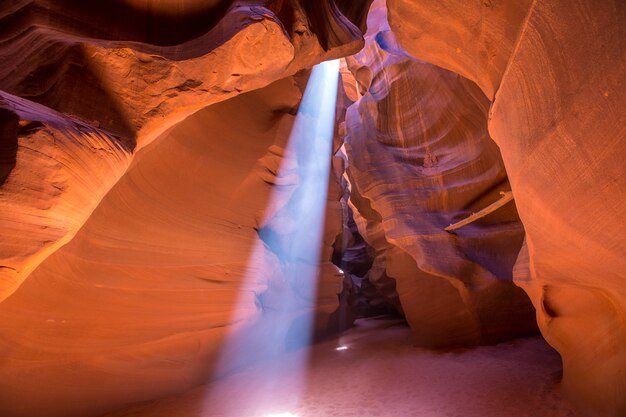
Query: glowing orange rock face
(558, 119)
(152, 277)
(473, 38)
(63, 168)
(97, 68)
(137, 302)
(156, 277)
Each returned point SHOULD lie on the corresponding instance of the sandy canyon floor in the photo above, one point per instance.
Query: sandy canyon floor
(373, 370)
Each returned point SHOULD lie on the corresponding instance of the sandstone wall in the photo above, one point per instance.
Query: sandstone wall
(420, 158)
(134, 72)
(555, 72)
(130, 210)
(169, 270)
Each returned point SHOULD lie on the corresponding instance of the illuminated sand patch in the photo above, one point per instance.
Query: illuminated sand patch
(384, 375)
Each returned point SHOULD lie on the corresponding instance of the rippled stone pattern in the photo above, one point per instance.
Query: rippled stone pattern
(558, 118)
(132, 189)
(420, 158)
(133, 70)
(58, 168)
(137, 305)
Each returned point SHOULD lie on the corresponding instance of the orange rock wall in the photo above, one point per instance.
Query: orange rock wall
(129, 209)
(556, 80)
(118, 68)
(138, 304)
(420, 158)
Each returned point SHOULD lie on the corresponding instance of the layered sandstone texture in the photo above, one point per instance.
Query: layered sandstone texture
(555, 72)
(420, 158)
(135, 180)
(138, 186)
(130, 70)
(167, 266)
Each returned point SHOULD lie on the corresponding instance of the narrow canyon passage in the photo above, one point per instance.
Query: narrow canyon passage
(294, 208)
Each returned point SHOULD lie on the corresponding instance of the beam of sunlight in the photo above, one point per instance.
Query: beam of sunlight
(285, 312)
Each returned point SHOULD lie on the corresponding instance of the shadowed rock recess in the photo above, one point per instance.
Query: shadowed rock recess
(147, 187)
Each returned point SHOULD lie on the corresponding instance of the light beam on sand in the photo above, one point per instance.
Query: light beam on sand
(285, 312)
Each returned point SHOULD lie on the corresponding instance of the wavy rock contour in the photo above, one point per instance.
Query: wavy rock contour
(558, 119)
(420, 158)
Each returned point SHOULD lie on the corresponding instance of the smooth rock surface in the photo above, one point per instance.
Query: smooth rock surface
(58, 169)
(420, 158)
(133, 72)
(138, 187)
(558, 118)
(138, 305)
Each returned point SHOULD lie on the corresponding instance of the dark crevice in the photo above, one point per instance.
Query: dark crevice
(9, 128)
(119, 20)
(328, 23)
(355, 11)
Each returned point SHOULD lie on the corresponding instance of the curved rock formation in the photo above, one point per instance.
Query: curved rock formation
(138, 304)
(58, 170)
(127, 310)
(558, 119)
(119, 68)
(474, 39)
(135, 186)
(420, 158)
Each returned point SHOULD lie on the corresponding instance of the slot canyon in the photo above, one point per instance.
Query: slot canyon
(313, 208)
